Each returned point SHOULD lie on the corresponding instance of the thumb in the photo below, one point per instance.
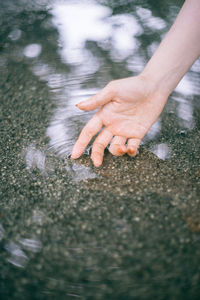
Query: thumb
(101, 98)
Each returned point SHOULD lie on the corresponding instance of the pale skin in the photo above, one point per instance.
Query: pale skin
(128, 107)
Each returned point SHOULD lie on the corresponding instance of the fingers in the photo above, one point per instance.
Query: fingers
(117, 146)
(99, 146)
(132, 146)
(103, 97)
(91, 128)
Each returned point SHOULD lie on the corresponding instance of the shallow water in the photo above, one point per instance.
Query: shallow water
(127, 230)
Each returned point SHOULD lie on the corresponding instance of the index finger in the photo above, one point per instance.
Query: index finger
(87, 133)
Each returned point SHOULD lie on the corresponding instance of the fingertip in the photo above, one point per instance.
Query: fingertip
(97, 162)
(118, 150)
(132, 151)
(81, 105)
(75, 154)
(123, 149)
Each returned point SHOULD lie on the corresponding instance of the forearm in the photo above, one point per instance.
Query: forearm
(178, 50)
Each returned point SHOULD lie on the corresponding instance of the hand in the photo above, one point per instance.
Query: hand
(127, 109)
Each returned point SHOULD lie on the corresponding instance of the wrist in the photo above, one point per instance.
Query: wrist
(155, 86)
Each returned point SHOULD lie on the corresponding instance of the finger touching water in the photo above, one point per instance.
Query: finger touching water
(132, 146)
(117, 146)
(123, 113)
(91, 129)
(99, 145)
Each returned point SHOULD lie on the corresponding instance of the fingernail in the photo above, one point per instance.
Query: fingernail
(132, 151)
(74, 155)
(124, 149)
(97, 162)
(120, 150)
(81, 104)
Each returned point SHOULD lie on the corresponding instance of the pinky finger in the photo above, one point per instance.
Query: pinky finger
(132, 146)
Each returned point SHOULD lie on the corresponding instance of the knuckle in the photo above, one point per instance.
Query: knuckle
(98, 149)
(112, 150)
(99, 146)
(89, 132)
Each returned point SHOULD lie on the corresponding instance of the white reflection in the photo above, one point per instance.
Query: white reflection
(57, 132)
(162, 151)
(124, 29)
(185, 86)
(81, 172)
(33, 50)
(152, 22)
(152, 48)
(35, 158)
(156, 23)
(185, 112)
(77, 23)
(41, 70)
(17, 256)
(154, 130)
(56, 81)
(135, 63)
(119, 30)
(31, 244)
(62, 127)
(15, 34)
(143, 13)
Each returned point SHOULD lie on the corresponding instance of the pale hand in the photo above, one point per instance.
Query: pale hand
(127, 109)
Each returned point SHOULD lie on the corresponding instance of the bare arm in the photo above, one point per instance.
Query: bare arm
(178, 50)
(129, 107)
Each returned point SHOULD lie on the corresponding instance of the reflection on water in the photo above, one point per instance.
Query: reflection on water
(80, 172)
(17, 256)
(154, 130)
(30, 244)
(15, 34)
(154, 23)
(162, 151)
(35, 158)
(78, 22)
(32, 50)
(185, 112)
